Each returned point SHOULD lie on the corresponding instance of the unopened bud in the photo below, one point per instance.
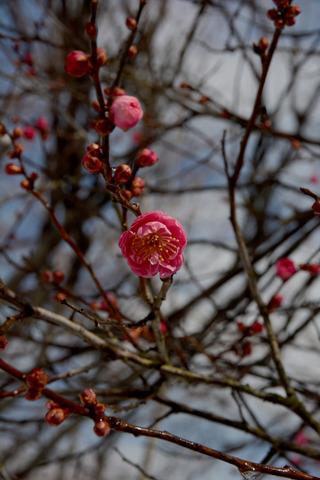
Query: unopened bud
(12, 169)
(88, 397)
(101, 428)
(132, 51)
(37, 378)
(131, 23)
(122, 174)
(55, 416)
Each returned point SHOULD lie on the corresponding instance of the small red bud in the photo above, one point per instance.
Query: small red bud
(33, 394)
(26, 184)
(256, 327)
(58, 276)
(77, 64)
(12, 169)
(103, 126)
(146, 158)
(246, 349)
(17, 151)
(131, 23)
(88, 397)
(47, 276)
(29, 132)
(122, 174)
(33, 177)
(273, 14)
(99, 409)
(91, 30)
(37, 378)
(60, 297)
(17, 132)
(102, 57)
(137, 186)
(92, 164)
(101, 428)
(294, 10)
(275, 302)
(263, 43)
(55, 416)
(132, 52)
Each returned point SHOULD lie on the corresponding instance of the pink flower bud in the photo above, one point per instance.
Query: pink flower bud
(77, 64)
(137, 187)
(275, 302)
(312, 268)
(154, 244)
(256, 327)
(146, 158)
(122, 174)
(43, 126)
(92, 164)
(126, 112)
(285, 268)
(58, 276)
(13, 169)
(102, 57)
(29, 132)
(88, 397)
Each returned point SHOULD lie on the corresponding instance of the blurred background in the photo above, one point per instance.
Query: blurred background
(196, 75)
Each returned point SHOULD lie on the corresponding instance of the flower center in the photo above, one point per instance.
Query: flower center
(155, 246)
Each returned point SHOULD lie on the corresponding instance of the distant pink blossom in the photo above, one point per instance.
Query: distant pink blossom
(314, 179)
(285, 268)
(154, 244)
(126, 112)
(43, 126)
(29, 132)
(301, 438)
(275, 302)
(312, 268)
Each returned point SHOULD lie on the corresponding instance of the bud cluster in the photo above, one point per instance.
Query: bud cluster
(36, 381)
(55, 277)
(96, 409)
(248, 330)
(285, 14)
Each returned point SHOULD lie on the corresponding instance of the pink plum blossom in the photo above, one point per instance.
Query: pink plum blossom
(154, 244)
(126, 112)
(285, 268)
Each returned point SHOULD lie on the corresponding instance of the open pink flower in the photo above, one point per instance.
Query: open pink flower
(154, 244)
(126, 112)
(285, 268)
